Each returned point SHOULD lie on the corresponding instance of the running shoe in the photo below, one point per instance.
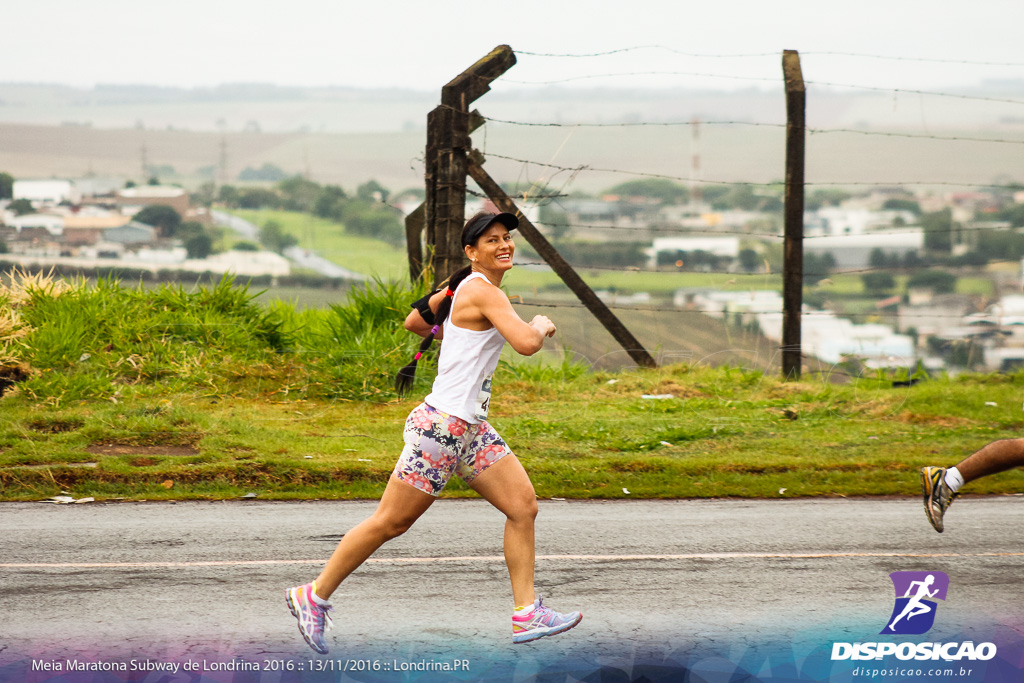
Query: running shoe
(937, 494)
(314, 620)
(542, 621)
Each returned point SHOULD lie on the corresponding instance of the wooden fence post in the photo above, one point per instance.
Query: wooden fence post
(416, 221)
(448, 143)
(413, 242)
(793, 266)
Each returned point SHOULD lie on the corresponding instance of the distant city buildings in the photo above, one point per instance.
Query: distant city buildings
(75, 228)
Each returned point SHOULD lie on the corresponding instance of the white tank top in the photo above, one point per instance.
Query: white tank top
(465, 366)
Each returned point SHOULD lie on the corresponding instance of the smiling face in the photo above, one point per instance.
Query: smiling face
(493, 251)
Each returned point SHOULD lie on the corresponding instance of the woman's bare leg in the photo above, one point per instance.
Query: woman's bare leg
(506, 486)
(400, 506)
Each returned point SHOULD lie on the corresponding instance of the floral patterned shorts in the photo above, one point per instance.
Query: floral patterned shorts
(438, 444)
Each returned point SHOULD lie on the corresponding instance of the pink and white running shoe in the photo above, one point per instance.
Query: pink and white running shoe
(542, 621)
(314, 620)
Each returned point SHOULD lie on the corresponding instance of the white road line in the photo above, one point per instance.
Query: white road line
(485, 558)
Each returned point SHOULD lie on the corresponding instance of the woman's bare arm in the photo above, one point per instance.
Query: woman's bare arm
(526, 338)
(415, 323)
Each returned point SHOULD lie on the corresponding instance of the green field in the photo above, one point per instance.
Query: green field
(302, 297)
(729, 153)
(330, 240)
(376, 258)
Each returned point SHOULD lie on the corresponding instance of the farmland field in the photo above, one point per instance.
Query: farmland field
(728, 154)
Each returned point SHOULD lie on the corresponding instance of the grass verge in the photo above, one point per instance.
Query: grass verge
(725, 432)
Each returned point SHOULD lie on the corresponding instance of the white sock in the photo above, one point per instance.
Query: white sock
(954, 480)
(523, 611)
(317, 599)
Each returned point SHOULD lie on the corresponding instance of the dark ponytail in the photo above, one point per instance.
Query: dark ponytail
(405, 376)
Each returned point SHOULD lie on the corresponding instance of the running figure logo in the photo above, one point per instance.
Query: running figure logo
(914, 611)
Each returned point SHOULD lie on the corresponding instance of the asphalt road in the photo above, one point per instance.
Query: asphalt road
(654, 579)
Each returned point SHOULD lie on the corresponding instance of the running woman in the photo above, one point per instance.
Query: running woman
(448, 434)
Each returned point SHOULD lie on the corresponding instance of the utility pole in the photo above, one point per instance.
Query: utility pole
(696, 190)
(222, 163)
(793, 245)
(144, 163)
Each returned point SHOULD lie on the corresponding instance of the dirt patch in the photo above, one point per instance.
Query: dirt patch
(143, 461)
(933, 420)
(637, 466)
(11, 375)
(55, 426)
(668, 386)
(128, 449)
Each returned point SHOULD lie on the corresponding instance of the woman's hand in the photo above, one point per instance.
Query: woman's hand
(543, 324)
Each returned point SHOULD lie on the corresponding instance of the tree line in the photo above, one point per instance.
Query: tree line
(365, 213)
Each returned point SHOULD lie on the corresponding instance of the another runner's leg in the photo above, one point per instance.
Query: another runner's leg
(997, 456)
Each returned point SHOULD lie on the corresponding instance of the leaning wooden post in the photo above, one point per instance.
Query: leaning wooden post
(558, 264)
(793, 266)
(413, 243)
(448, 143)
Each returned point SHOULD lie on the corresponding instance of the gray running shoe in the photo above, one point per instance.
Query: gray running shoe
(542, 621)
(937, 495)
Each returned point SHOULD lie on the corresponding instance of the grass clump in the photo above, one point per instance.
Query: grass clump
(76, 342)
(64, 341)
(352, 351)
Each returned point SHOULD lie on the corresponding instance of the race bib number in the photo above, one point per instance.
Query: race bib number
(483, 400)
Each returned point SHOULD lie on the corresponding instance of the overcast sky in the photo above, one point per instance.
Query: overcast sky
(421, 44)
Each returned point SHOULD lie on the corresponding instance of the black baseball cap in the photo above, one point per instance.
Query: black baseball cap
(479, 223)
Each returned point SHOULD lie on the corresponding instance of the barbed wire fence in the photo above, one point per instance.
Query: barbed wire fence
(552, 193)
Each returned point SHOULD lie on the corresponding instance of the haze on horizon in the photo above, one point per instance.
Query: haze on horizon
(420, 46)
(395, 57)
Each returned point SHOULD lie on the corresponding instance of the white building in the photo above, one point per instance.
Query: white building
(134, 199)
(718, 304)
(51, 223)
(854, 250)
(242, 263)
(829, 338)
(109, 254)
(933, 314)
(166, 257)
(839, 220)
(615, 298)
(717, 245)
(703, 217)
(101, 250)
(47, 191)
